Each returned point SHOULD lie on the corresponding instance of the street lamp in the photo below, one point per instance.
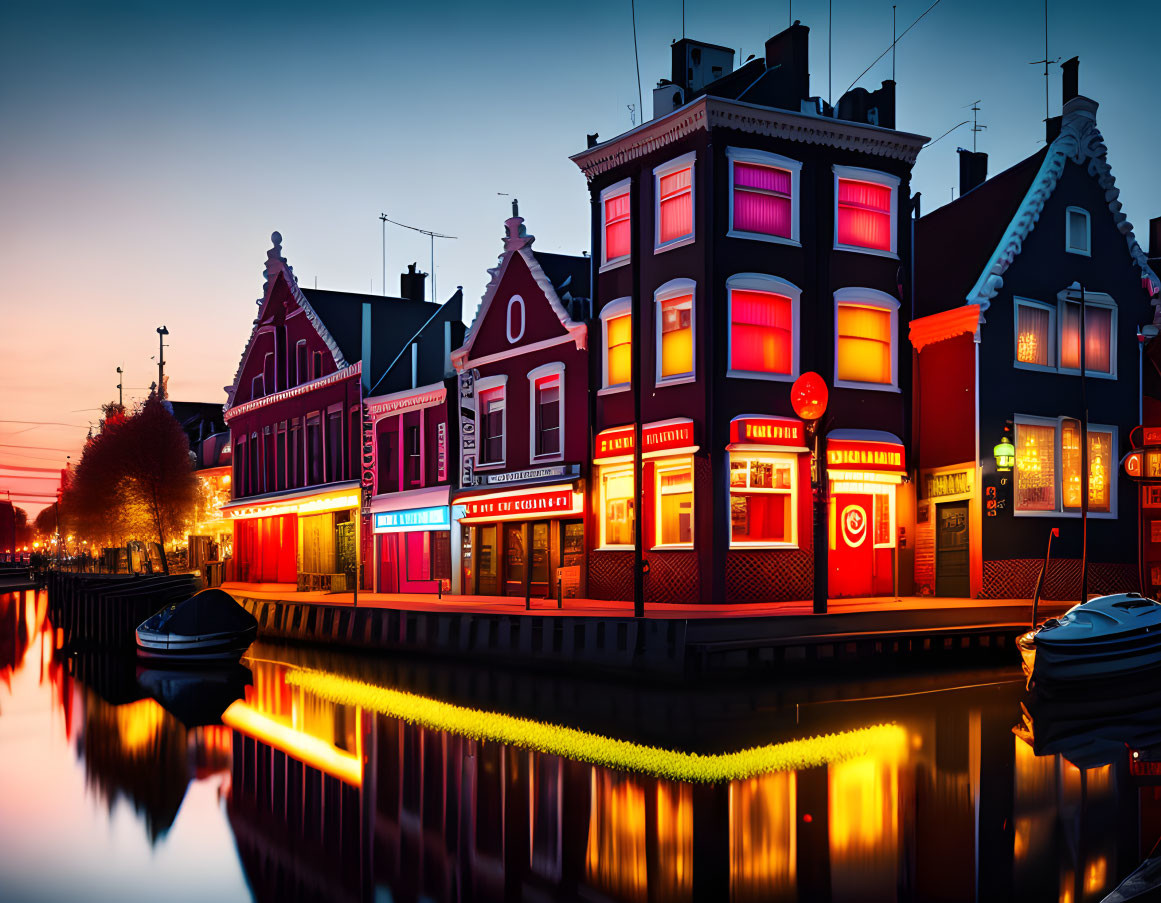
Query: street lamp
(809, 396)
(1005, 454)
(162, 332)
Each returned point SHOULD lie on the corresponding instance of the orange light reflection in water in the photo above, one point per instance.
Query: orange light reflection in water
(674, 841)
(615, 858)
(763, 837)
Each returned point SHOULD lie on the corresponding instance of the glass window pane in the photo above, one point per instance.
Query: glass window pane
(620, 347)
(675, 488)
(864, 214)
(617, 491)
(1033, 335)
(1035, 481)
(677, 336)
(617, 227)
(675, 205)
(1077, 231)
(1100, 470)
(761, 337)
(864, 344)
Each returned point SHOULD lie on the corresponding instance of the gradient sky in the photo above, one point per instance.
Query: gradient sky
(148, 149)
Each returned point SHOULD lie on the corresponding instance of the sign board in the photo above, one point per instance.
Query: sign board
(559, 500)
(655, 437)
(532, 475)
(851, 454)
(441, 451)
(939, 485)
(768, 431)
(1143, 464)
(467, 392)
(436, 518)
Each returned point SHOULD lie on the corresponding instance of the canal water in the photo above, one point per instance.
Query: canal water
(311, 774)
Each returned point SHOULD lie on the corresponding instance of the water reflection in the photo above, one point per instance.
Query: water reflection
(316, 797)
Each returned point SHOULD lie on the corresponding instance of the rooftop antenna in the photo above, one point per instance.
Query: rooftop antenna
(894, 41)
(632, 114)
(976, 127)
(120, 390)
(1046, 61)
(683, 20)
(829, 50)
(432, 235)
(383, 222)
(636, 57)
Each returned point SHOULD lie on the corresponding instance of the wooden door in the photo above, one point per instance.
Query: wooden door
(515, 559)
(488, 560)
(852, 552)
(540, 557)
(952, 576)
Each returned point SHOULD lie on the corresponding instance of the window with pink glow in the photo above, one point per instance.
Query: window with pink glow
(548, 412)
(761, 332)
(762, 196)
(675, 197)
(492, 426)
(617, 223)
(864, 210)
(1098, 327)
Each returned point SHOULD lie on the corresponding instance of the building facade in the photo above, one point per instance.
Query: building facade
(748, 234)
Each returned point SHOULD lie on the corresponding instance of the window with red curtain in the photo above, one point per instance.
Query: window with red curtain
(674, 205)
(1034, 337)
(492, 426)
(548, 420)
(1098, 326)
(617, 226)
(761, 332)
(762, 500)
(864, 214)
(762, 199)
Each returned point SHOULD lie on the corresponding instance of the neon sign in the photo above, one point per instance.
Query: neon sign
(767, 431)
(560, 500)
(849, 453)
(655, 437)
(412, 519)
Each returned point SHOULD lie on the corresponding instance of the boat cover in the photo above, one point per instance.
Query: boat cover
(210, 611)
(1102, 619)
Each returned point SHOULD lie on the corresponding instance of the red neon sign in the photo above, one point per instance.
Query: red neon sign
(1134, 464)
(809, 395)
(850, 454)
(768, 431)
(657, 437)
(555, 501)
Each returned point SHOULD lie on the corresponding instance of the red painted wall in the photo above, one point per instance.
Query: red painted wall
(944, 400)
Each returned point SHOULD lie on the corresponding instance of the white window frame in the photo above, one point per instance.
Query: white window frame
(684, 161)
(1053, 333)
(764, 158)
(483, 385)
(1091, 299)
(617, 188)
(760, 282)
(554, 369)
(620, 307)
(1087, 251)
(868, 297)
(512, 302)
(781, 457)
(299, 376)
(1057, 424)
(675, 288)
(604, 470)
(662, 465)
(859, 174)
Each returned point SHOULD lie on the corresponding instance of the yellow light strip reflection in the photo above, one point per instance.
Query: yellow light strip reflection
(877, 740)
(307, 749)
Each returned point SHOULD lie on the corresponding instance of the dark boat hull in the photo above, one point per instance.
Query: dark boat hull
(1045, 661)
(220, 647)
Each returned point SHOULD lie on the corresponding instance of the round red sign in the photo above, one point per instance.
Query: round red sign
(808, 395)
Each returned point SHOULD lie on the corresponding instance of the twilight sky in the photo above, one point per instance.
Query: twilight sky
(148, 149)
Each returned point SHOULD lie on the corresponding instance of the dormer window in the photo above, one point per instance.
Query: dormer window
(864, 212)
(763, 196)
(673, 209)
(616, 225)
(1077, 236)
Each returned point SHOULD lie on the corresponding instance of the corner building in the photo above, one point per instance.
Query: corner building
(757, 234)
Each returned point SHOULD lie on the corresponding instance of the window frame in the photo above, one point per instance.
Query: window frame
(677, 164)
(761, 282)
(615, 190)
(1057, 424)
(665, 465)
(1068, 248)
(859, 174)
(779, 456)
(868, 297)
(554, 369)
(1091, 299)
(675, 288)
(604, 470)
(301, 363)
(513, 302)
(775, 161)
(619, 307)
(487, 384)
(1053, 332)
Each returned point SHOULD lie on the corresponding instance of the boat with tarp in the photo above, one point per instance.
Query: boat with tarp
(209, 626)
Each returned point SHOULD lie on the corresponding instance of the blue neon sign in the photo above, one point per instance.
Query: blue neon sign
(412, 519)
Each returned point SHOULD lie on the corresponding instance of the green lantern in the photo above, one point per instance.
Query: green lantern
(1005, 454)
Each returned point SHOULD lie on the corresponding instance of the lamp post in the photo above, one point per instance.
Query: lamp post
(162, 332)
(809, 396)
(1076, 292)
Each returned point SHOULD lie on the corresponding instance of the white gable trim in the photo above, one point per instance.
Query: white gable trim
(518, 241)
(1079, 140)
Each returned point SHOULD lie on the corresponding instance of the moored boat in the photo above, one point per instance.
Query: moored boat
(207, 627)
(1103, 637)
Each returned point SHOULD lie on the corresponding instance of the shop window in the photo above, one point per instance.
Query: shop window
(673, 211)
(763, 327)
(1077, 234)
(866, 322)
(491, 426)
(1048, 474)
(334, 446)
(674, 505)
(762, 494)
(1035, 334)
(413, 460)
(616, 225)
(300, 372)
(616, 352)
(864, 210)
(387, 454)
(763, 196)
(675, 332)
(617, 506)
(883, 517)
(547, 413)
(314, 449)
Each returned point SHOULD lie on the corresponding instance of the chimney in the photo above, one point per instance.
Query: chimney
(973, 169)
(412, 284)
(696, 64)
(789, 51)
(592, 139)
(1071, 81)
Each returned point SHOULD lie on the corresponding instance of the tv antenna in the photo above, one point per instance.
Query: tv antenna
(431, 235)
(120, 391)
(976, 127)
(1046, 61)
(632, 114)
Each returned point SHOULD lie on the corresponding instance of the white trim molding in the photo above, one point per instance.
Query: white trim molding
(556, 369)
(619, 307)
(859, 174)
(868, 297)
(512, 302)
(677, 164)
(675, 288)
(487, 384)
(761, 282)
(614, 190)
(775, 161)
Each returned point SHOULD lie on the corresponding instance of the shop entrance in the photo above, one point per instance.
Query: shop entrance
(515, 560)
(951, 550)
(540, 552)
(488, 561)
(861, 547)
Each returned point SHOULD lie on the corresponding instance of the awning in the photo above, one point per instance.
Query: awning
(428, 497)
(663, 437)
(311, 500)
(412, 510)
(867, 456)
(762, 432)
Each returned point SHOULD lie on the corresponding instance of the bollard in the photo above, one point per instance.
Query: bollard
(559, 594)
(527, 594)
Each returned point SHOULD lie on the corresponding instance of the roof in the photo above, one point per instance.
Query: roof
(569, 275)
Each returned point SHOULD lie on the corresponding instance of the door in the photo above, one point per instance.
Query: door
(951, 550)
(515, 561)
(541, 558)
(488, 561)
(852, 551)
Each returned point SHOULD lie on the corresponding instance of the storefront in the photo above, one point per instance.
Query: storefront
(306, 538)
(413, 541)
(524, 541)
(864, 470)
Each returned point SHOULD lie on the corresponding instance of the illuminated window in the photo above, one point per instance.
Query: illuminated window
(762, 494)
(491, 423)
(616, 225)
(617, 323)
(1042, 329)
(1098, 337)
(763, 195)
(1035, 334)
(1048, 467)
(412, 455)
(1077, 235)
(675, 331)
(616, 487)
(865, 210)
(674, 503)
(387, 454)
(546, 414)
(763, 327)
(883, 515)
(673, 189)
(866, 322)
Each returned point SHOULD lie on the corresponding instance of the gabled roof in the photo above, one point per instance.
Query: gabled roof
(1080, 141)
(518, 241)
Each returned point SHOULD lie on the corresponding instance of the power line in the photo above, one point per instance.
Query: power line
(945, 134)
(432, 235)
(893, 43)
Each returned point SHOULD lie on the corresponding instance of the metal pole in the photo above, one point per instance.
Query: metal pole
(1083, 457)
(383, 222)
(818, 491)
(120, 391)
(635, 379)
